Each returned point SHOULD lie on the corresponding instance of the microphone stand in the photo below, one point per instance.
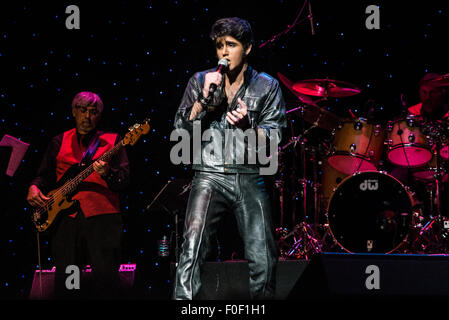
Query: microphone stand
(174, 213)
(289, 27)
(157, 196)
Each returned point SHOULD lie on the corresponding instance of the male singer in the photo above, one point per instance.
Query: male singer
(237, 97)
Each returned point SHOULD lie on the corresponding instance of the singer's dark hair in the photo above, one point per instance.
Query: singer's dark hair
(237, 28)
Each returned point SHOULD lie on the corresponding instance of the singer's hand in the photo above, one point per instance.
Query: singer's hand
(196, 110)
(239, 116)
(211, 77)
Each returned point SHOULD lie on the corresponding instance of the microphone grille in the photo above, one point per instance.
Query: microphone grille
(223, 62)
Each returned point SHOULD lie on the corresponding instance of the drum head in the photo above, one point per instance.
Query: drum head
(350, 164)
(370, 212)
(444, 152)
(409, 156)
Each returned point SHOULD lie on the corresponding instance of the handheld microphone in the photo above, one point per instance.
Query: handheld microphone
(222, 66)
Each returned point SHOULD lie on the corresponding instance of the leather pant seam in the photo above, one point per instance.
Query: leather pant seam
(200, 241)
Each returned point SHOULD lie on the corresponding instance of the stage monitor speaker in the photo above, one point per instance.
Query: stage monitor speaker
(229, 280)
(126, 273)
(331, 275)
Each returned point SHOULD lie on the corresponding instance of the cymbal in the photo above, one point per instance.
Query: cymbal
(441, 81)
(325, 88)
(314, 115)
(302, 97)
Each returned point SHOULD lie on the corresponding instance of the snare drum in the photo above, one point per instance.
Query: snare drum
(357, 146)
(407, 145)
(370, 212)
(427, 173)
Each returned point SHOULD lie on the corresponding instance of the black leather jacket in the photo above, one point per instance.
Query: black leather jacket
(266, 110)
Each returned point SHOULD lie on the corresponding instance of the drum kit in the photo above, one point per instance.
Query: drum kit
(340, 182)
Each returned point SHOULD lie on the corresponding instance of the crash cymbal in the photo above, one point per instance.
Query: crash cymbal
(302, 97)
(325, 88)
(440, 81)
(314, 115)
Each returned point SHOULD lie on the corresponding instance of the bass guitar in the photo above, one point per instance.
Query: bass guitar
(60, 197)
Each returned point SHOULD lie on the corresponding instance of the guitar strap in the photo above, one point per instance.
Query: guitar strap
(90, 151)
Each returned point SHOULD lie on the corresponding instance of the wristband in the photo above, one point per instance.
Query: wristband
(204, 102)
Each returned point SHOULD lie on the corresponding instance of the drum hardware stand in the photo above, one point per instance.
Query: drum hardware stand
(436, 229)
(316, 198)
(279, 185)
(304, 243)
(303, 235)
(281, 232)
(328, 233)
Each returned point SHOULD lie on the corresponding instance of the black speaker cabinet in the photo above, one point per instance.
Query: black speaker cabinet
(229, 280)
(374, 275)
(43, 286)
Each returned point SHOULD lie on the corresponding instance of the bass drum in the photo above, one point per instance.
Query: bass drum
(370, 212)
(330, 179)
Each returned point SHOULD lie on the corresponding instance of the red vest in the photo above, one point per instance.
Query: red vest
(94, 196)
(416, 110)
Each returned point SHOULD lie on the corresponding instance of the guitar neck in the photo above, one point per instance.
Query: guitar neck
(72, 184)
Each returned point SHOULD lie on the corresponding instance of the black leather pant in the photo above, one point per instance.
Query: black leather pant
(212, 195)
(99, 237)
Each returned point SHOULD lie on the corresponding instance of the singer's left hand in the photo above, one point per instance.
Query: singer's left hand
(238, 117)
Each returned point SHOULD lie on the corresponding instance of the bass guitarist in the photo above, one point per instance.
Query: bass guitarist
(91, 230)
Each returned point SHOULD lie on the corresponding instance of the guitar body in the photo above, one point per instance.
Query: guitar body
(43, 217)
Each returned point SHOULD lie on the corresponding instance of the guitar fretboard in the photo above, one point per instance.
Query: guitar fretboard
(71, 185)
